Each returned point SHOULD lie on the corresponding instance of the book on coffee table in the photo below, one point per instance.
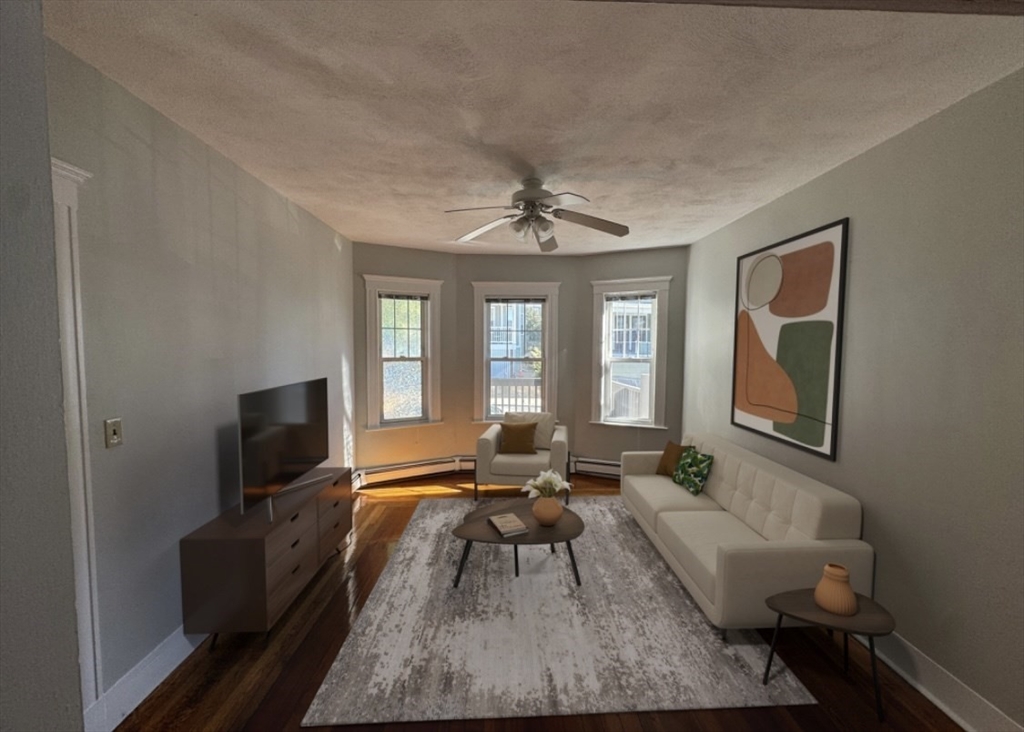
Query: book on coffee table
(508, 524)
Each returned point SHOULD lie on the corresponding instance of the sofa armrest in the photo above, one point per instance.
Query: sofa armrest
(640, 462)
(560, 450)
(487, 446)
(747, 574)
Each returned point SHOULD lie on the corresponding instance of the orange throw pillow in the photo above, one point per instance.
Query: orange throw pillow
(670, 458)
(517, 438)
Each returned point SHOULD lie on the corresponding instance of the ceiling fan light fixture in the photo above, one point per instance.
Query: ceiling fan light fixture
(520, 227)
(545, 228)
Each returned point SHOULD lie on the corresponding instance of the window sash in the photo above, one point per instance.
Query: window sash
(507, 326)
(626, 333)
(413, 351)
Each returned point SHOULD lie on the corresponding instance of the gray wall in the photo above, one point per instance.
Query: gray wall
(932, 385)
(458, 433)
(39, 681)
(198, 282)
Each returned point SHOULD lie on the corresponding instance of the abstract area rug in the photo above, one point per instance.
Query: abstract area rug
(628, 639)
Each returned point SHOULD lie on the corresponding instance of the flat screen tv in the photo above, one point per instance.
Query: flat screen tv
(282, 436)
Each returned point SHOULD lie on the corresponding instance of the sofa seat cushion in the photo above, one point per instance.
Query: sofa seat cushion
(652, 494)
(524, 466)
(693, 538)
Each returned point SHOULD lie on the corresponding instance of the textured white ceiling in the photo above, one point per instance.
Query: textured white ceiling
(672, 119)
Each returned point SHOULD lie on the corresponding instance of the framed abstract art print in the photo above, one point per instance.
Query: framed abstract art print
(788, 339)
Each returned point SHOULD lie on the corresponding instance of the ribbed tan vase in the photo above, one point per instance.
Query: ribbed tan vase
(547, 511)
(834, 593)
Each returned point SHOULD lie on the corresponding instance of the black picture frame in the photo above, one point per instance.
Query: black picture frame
(790, 300)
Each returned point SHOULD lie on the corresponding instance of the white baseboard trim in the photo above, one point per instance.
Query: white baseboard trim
(963, 705)
(120, 700)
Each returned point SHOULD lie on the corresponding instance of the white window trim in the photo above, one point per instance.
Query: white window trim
(547, 290)
(635, 286)
(431, 289)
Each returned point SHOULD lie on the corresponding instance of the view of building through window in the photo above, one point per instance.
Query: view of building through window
(628, 357)
(403, 365)
(515, 357)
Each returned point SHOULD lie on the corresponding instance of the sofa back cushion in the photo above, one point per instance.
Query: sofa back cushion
(776, 502)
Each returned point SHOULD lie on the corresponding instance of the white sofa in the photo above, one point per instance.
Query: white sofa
(758, 528)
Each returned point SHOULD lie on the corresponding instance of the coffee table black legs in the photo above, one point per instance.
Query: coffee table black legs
(462, 562)
(515, 549)
(874, 675)
(771, 653)
(572, 558)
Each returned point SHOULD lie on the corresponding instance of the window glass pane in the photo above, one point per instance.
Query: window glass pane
(401, 342)
(534, 344)
(387, 312)
(415, 342)
(533, 316)
(387, 343)
(629, 393)
(402, 390)
(515, 386)
(415, 309)
(401, 313)
(629, 323)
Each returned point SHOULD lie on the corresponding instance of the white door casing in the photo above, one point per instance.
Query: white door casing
(66, 181)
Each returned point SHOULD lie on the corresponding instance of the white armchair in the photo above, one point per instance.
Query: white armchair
(496, 468)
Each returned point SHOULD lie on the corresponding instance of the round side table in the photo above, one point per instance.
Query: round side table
(871, 619)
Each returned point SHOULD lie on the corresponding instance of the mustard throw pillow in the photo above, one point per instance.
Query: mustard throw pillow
(545, 426)
(517, 438)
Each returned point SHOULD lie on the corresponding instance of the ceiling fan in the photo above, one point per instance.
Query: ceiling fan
(532, 205)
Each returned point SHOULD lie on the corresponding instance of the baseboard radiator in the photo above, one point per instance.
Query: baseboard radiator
(366, 477)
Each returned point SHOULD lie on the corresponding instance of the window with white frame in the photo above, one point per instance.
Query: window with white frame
(630, 334)
(403, 346)
(516, 333)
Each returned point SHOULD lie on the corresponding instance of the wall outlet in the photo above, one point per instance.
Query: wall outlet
(112, 432)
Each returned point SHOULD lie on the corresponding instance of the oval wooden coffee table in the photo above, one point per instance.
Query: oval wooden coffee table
(475, 527)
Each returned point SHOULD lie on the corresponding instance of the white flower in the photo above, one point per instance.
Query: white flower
(547, 484)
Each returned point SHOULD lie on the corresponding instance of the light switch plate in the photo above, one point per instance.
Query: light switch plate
(112, 432)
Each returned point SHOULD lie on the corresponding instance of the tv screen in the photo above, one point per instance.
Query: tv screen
(282, 435)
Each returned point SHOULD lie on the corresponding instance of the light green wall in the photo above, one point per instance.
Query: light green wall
(458, 433)
(931, 415)
(198, 282)
(39, 677)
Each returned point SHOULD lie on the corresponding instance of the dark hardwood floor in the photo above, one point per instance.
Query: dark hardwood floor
(266, 682)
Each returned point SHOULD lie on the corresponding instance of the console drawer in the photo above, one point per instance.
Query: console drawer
(331, 513)
(296, 574)
(331, 535)
(292, 526)
(281, 568)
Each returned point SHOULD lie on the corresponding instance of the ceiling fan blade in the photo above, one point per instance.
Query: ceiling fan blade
(608, 227)
(563, 199)
(548, 245)
(486, 227)
(481, 208)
